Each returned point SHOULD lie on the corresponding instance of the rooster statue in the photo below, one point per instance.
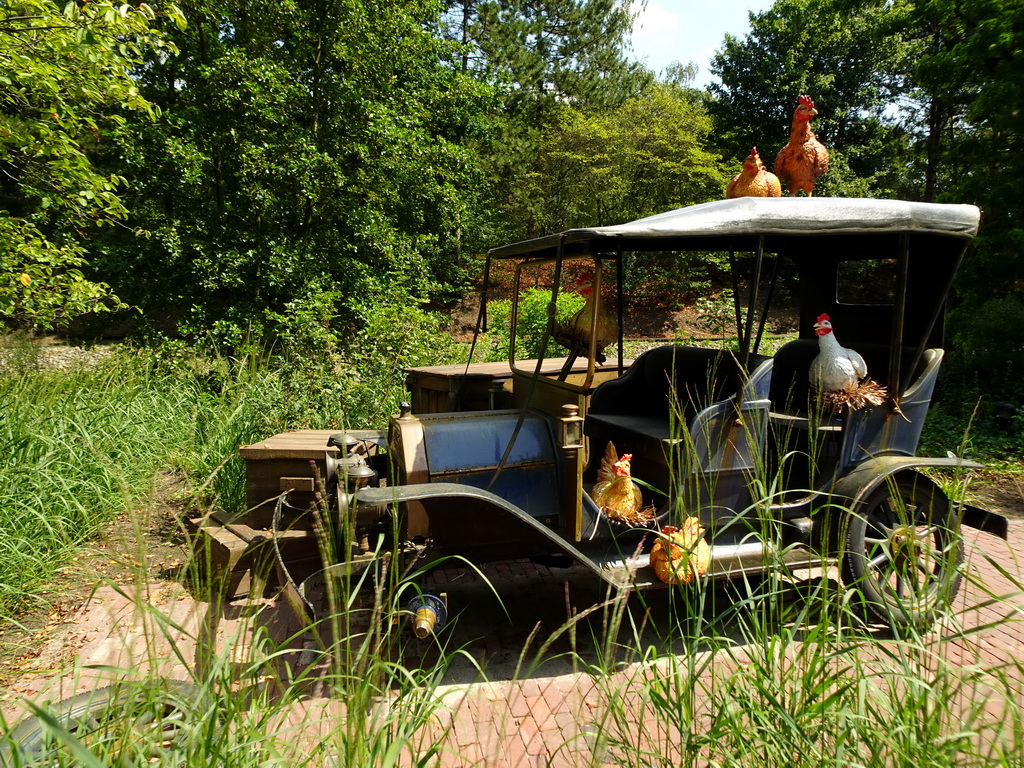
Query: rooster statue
(576, 335)
(680, 554)
(754, 180)
(839, 374)
(804, 158)
(615, 493)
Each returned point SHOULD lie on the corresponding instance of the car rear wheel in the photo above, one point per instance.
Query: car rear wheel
(904, 551)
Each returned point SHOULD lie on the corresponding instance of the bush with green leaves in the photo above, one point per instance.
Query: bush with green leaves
(66, 83)
(531, 324)
(390, 338)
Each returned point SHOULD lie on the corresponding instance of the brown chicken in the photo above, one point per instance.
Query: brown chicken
(754, 180)
(615, 493)
(681, 554)
(804, 158)
(607, 328)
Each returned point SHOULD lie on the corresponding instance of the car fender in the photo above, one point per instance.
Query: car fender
(853, 487)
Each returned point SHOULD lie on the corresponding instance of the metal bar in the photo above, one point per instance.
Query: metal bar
(619, 298)
(548, 329)
(940, 305)
(481, 324)
(752, 305)
(767, 303)
(736, 297)
(486, 288)
(898, 314)
(595, 311)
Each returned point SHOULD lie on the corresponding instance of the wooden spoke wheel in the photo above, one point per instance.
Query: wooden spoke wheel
(904, 551)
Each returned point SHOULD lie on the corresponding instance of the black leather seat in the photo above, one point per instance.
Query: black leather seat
(645, 411)
(687, 378)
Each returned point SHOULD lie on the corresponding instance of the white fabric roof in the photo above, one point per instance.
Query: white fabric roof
(745, 216)
(797, 215)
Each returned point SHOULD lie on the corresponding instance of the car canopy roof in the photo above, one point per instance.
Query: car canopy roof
(739, 223)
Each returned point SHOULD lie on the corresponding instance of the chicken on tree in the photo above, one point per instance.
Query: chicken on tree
(804, 158)
(577, 334)
(754, 180)
(681, 554)
(615, 493)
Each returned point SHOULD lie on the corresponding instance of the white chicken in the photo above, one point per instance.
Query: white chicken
(835, 368)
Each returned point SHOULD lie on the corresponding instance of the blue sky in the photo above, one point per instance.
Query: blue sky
(690, 30)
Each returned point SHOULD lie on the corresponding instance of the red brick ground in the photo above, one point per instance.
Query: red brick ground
(532, 721)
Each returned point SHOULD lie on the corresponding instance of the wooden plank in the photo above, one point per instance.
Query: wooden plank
(302, 444)
(236, 560)
(296, 484)
(221, 559)
(551, 365)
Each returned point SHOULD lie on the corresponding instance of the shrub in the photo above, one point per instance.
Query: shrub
(531, 323)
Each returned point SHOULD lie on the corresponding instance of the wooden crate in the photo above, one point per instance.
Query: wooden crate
(448, 388)
(285, 462)
(235, 560)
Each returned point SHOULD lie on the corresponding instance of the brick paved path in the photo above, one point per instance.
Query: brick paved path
(544, 716)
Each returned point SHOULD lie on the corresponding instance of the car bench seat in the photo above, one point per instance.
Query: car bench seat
(868, 431)
(646, 410)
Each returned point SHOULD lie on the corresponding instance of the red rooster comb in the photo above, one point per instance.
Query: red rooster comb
(823, 317)
(806, 101)
(584, 278)
(621, 467)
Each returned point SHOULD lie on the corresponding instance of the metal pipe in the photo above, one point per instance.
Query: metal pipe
(751, 307)
(899, 308)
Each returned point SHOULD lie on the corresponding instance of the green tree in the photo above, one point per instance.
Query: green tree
(982, 162)
(844, 54)
(599, 167)
(550, 50)
(64, 83)
(309, 153)
(543, 56)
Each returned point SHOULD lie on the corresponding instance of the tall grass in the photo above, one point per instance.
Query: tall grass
(780, 676)
(78, 447)
(81, 445)
(769, 671)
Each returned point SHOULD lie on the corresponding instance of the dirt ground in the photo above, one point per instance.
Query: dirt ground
(658, 318)
(148, 543)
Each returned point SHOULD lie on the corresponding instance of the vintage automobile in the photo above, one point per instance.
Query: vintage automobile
(502, 462)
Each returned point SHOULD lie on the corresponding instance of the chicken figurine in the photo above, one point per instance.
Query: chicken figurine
(681, 554)
(839, 374)
(615, 493)
(804, 158)
(754, 180)
(576, 335)
(835, 367)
